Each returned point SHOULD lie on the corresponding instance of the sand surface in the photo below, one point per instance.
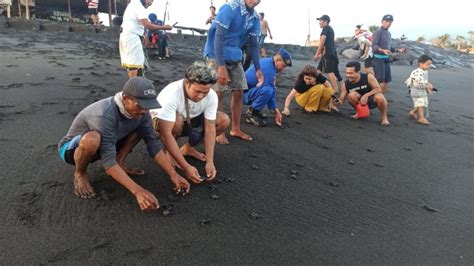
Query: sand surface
(364, 194)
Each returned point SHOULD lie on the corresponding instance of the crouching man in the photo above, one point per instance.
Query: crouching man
(189, 108)
(108, 130)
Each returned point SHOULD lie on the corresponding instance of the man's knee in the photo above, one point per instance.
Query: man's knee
(222, 121)
(90, 141)
(380, 99)
(353, 97)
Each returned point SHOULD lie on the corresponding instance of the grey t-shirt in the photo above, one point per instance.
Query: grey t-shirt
(104, 117)
(381, 39)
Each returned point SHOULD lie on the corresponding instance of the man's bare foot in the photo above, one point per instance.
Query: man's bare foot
(355, 116)
(412, 114)
(424, 122)
(240, 134)
(82, 187)
(222, 139)
(132, 170)
(385, 123)
(187, 150)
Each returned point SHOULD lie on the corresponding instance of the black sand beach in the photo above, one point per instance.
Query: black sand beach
(363, 194)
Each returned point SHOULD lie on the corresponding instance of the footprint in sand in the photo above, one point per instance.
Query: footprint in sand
(15, 85)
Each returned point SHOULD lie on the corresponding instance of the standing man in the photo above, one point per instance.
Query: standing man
(93, 6)
(235, 22)
(382, 49)
(211, 18)
(189, 108)
(265, 30)
(135, 20)
(363, 88)
(107, 130)
(327, 53)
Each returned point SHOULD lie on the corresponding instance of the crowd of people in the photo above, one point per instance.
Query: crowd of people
(193, 106)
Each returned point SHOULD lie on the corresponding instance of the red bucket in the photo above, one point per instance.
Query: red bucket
(362, 110)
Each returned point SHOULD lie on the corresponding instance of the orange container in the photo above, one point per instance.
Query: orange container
(362, 110)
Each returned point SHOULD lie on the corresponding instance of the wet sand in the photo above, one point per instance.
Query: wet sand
(361, 193)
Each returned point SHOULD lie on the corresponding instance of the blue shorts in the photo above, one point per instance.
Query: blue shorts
(382, 70)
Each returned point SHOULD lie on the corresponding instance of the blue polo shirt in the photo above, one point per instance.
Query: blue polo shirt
(239, 23)
(269, 76)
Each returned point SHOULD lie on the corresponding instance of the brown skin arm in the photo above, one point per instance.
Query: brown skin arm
(319, 52)
(209, 145)
(373, 83)
(343, 94)
(166, 135)
(180, 183)
(289, 98)
(147, 24)
(146, 200)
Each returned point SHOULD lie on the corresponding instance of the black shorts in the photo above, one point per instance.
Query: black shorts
(368, 62)
(329, 64)
(382, 70)
(371, 102)
(93, 11)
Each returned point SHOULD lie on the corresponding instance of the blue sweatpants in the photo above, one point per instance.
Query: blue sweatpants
(259, 97)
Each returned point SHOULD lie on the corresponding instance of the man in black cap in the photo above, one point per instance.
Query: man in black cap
(382, 49)
(327, 53)
(108, 130)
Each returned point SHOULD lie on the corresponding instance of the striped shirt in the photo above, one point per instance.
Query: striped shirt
(92, 3)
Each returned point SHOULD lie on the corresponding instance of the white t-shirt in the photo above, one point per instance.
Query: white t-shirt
(171, 99)
(131, 18)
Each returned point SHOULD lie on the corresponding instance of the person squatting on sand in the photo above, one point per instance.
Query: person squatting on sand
(363, 88)
(108, 130)
(312, 91)
(135, 20)
(420, 87)
(189, 108)
(236, 21)
(327, 53)
(265, 94)
(382, 49)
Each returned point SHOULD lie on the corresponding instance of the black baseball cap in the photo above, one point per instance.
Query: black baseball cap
(388, 17)
(143, 91)
(324, 18)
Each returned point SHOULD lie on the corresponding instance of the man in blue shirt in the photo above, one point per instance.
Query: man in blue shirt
(260, 95)
(235, 22)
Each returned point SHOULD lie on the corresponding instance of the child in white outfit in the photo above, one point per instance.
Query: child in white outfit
(420, 88)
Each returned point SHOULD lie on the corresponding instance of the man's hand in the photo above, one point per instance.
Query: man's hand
(271, 37)
(364, 99)
(222, 76)
(167, 27)
(317, 57)
(259, 78)
(430, 88)
(278, 117)
(146, 200)
(402, 50)
(385, 51)
(211, 171)
(181, 185)
(193, 174)
(340, 101)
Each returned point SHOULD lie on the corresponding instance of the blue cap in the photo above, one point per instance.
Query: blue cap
(152, 17)
(285, 56)
(388, 17)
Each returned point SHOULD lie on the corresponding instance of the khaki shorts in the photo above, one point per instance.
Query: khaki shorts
(238, 82)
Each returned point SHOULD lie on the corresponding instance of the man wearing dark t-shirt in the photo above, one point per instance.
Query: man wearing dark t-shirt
(327, 53)
(363, 88)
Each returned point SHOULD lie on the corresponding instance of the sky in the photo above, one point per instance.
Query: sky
(288, 20)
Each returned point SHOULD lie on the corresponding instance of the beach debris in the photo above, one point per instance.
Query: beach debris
(203, 222)
(255, 215)
(419, 142)
(293, 172)
(215, 196)
(212, 187)
(254, 167)
(408, 149)
(229, 179)
(334, 184)
(351, 162)
(293, 177)
(379, 165)
(430, 209)
(103, 195)
(76, 79)
(254, 155)
(167, 209)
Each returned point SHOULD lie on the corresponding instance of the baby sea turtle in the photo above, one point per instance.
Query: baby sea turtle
(293, 172)
(334, 184)
(212, 187)
(255, 215)
(254, 155)
(204, 222)
(351, 162)
(408, 149)
(428, 208)
(215, 196)
(293, 177)
(229, 179)
(370, 150)
(379, 165)
(300, 164)
(254, 167)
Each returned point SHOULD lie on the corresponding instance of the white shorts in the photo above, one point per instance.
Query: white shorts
(420, 101)
(131, 51)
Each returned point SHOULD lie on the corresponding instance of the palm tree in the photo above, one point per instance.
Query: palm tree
(421, 39)
(373, 28)
(441, 41)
